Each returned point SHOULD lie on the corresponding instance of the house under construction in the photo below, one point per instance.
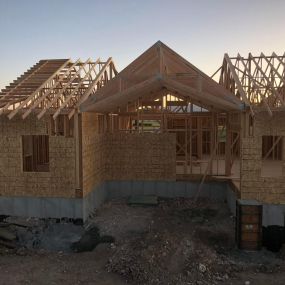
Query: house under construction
(75, 133)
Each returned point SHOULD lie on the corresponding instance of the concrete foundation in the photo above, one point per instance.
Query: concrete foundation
(81, 208)
(41, 207)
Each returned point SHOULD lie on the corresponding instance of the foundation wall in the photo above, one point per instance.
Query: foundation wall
(83, 207)
(58, 182)
(269, 190)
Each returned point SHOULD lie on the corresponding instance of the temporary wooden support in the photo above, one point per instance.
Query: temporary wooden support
(206, 171)
(272, 147)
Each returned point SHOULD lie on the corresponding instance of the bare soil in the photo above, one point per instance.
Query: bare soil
(176, 242)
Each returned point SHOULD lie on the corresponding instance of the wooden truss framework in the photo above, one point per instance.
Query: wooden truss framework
(56, 86)
(162, 92)
(201, 145)
(259, 81)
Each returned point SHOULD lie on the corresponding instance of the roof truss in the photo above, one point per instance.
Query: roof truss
(259, 81)
(55, 86)
(159, 68)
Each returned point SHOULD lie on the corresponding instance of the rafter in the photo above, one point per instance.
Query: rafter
(257, 79)
(69, 97)
(238, 83)
(49, 91)
(30, 97)
(51, 102)
(90, 89)
(267, 80)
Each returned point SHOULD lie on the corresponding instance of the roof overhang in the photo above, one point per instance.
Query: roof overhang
(159, 68)
(100, 104)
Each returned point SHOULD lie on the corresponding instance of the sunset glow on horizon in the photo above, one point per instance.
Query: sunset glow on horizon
(200, 31)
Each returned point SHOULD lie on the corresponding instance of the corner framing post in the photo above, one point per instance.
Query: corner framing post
(213, 139)
(78, 155)
(228, 147)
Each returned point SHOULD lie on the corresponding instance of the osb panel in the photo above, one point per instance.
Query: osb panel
(253, 186)
(265, 125)
(122, 156)
(145, 156)
(93, 148)
(58, 182)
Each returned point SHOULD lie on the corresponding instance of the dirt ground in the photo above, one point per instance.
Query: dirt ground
(176, 242)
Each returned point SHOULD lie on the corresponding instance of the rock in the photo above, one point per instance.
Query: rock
(202, 268)
(226, 276)
(8, 244)
(21, 251)
(247, 282)
(188, 243)
(78, 222)
(7, 235)
(90, 239)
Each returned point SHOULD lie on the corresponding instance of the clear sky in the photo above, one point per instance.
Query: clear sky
(200, 30)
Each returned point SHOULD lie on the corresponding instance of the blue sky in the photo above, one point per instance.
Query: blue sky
(201, 31)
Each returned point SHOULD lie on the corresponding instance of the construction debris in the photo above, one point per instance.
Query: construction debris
(180, 243)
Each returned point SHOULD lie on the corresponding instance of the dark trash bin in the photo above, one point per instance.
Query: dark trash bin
(273, 237)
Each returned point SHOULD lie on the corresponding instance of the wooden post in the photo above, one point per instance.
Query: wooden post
(199, 137)
(185, 147)
(213, 139)
(228, 151)
(66, 126)
(78, 155)
(190, 142)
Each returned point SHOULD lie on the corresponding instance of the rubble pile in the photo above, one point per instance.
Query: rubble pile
(163, 259)
(20, 234)
(184, 244)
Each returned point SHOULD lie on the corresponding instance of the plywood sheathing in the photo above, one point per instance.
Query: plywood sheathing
(58, 182)
(93, 153)
(141, 156)
(253, 185)
(123, 156)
